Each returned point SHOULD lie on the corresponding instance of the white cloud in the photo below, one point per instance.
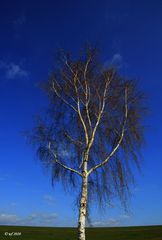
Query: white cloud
(8, 219)
(49, 199)
(18, 25)
(125, 216)
(48, 219)
(136, 189)
(112, 222)
(40, 219)
(19, 21)
(33, 219)
(116, 59)
(4, 177)
(13, 71)
(13, 204)
(64, 152)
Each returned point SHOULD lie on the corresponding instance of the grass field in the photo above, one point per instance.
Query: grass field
(45, 233)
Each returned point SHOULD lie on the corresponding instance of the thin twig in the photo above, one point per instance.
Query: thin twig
(120, 139)
(63, 165)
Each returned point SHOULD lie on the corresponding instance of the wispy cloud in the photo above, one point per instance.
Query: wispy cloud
(33, 219)
(19, 21)
(64, 152)
(117, 19)
(13, 204)
(125, 216)
(109, 223)
(8, 219)
(13, 71)
(112, 222)
(49, 199)
(40, 219)
(115, 60)
(4, 177)
(18, 25)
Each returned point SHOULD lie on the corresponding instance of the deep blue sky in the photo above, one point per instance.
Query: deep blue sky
(129, 33)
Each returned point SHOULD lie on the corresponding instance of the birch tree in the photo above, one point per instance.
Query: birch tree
(92, 133)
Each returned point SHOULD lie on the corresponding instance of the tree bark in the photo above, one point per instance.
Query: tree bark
(83, 208)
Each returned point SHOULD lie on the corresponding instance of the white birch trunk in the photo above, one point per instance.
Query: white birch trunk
(83, 202)
(82, 210)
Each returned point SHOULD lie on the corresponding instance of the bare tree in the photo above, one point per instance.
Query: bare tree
(93, 130)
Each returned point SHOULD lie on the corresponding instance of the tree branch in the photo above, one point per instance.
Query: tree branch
(98, 121)
(100, 113)
(58, 95)
(87, 94)
(78, 99)
(63, 165)
(77, 142)
(79, 112)
(120, 139)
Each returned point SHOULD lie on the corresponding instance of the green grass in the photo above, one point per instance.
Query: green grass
(45, 233)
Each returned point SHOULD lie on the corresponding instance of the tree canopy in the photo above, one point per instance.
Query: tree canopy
(92, 110)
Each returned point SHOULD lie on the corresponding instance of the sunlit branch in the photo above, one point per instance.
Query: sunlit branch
(120, 139)
(79, 112)
(87, 94)
(100, 113)
(61, 164)
(97, 122)
(64, 100)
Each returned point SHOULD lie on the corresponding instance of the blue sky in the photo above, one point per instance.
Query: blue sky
(130, 33)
